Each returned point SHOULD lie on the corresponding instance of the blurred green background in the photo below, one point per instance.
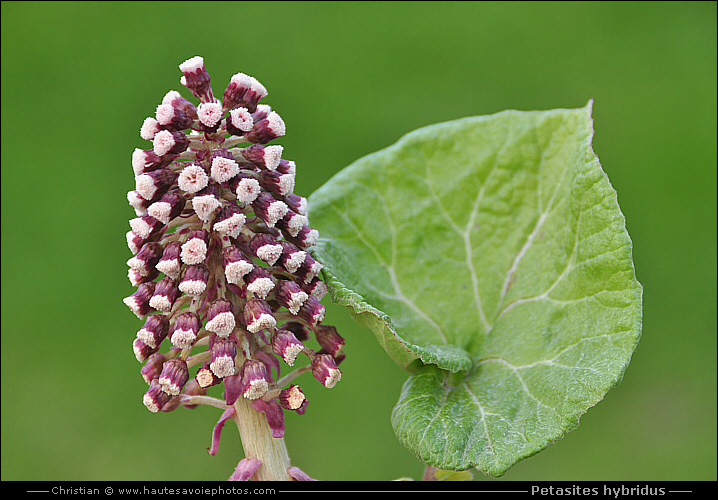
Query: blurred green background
(348, 79)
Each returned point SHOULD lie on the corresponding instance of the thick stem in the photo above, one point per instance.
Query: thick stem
(258, 443)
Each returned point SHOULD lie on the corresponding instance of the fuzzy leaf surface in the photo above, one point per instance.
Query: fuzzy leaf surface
(490, 258)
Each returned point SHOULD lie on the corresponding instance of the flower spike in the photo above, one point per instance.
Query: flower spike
(226, 286)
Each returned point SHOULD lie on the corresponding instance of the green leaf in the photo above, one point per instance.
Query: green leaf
(490, 258)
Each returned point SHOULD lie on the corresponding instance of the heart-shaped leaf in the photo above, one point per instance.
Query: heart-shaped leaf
(490, 258)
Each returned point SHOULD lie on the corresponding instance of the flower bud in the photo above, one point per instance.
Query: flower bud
(239, 121)
(152, 185)
(296, 203)
(311, 311)
(236, 264)
(316, 288)
(168, 207)
(306, 237)
(176, 100)
(243, 90)
(134, 242)
(194, 280)
(193, 178)
(325, 370)
(172, 118)
(269, 209)
(174, 376)
(259, 282)
(266, 129)
(292, 398)
(196, 78)
(220, 318)
(205, 202)
(139, 302)
(149, 128)
(292, 257)
(138, 203)
(169, 142)
(309, 269)
(276, 183)
(287, 167)
(192, 388)
(206, 378)
(146, 227)
(261, 113)
(266, 247)
(267, 157)
(154, 330)
(146, 160)
(155, 398)
(229, 221)
(146, 259)
(254, 93)
(136, 278)
(223, 169)
(329, 339)
(210, 116)
(290, 295)
(170, 263)
(142, 350)
(184, 330)
(222, 361)
(291, 223)
(194, 249)
(171, 405)
(247, 190)
(255, 379)
(153, 367)
(166, 294)
(286, 346)
(258, 315)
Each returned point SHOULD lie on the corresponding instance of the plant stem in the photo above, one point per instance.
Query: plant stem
(429, 472)
(258, 443)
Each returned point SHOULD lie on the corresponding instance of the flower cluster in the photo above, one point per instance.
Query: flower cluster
(220, 255)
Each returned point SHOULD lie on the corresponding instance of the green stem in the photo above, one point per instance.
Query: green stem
(258, 443)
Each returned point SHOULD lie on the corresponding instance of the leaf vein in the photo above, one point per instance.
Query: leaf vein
(467, 238)
(392, 276)
(530, 239)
